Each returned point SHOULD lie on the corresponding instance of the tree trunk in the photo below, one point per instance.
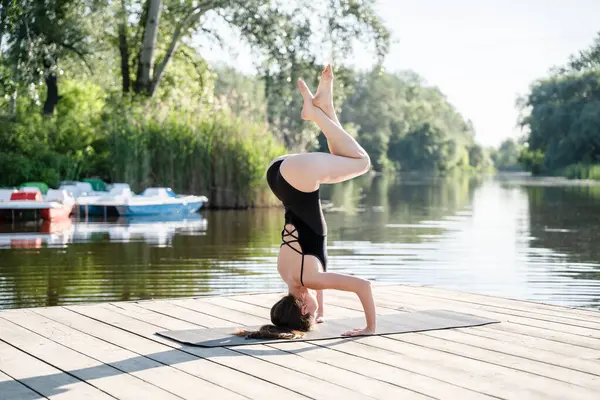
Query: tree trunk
(189, 20)
(52, 96)
(13, 103)
(124, 49)
(146, 63)
(3, 18)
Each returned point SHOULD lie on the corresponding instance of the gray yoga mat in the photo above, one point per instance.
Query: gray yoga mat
(417, 321)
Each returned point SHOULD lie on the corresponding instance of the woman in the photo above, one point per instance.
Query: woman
(302, 261)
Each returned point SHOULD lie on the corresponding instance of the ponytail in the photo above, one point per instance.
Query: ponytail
(272, 332)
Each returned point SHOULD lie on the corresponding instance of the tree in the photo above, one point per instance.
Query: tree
(563, 120)
(585, 59)
(506, 157)
(406, 123)
(282, 33)
(40, 34)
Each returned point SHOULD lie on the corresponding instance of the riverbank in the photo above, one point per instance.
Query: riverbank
(202, 151)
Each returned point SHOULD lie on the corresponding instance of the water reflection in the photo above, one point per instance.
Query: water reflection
(153, 230)
(511, 236)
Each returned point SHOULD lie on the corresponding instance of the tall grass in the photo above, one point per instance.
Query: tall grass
(210, 153)
(582, 171)
(193, 146)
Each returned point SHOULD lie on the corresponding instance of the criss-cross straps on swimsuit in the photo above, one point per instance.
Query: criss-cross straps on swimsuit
(285, 233)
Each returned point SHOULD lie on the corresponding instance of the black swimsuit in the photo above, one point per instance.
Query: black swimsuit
(303, 210)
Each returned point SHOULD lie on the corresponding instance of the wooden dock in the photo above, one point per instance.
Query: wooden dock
(111, 351)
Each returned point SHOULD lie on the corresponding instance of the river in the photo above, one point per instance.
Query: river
(509, 235)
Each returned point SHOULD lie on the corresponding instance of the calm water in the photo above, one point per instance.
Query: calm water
(511, 236)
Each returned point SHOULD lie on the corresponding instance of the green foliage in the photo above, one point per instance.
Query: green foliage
(40, 34)
(562, 118)
(586, 59)
(507, 156)
(244, 95)
(582, 171)
(51, 148)
(154, 112)
(407, 125)
(206, 152)
(532, 160)
(191, 149)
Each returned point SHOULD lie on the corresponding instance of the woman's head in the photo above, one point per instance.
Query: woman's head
(294, 313)
(291, 317)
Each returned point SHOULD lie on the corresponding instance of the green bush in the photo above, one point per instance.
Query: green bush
(532, 161)
(212, 153)
(582, 171)
(189, 147)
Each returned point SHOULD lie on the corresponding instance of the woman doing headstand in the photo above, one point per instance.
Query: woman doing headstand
(302, 260)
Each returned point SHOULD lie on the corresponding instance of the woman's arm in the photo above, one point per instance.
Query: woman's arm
(362, 288)
(320, 303)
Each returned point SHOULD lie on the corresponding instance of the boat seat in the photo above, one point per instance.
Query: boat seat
(57, 195)
(84, 188)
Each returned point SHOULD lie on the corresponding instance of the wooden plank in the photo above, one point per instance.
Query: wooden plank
(541, 333)
(333, 310)
(527, 341)
(145, 315)
(233, 316)
(574, 346)
(532, 313)
(545, 350)
(341, 357)
(278, 357)
(489, 369)
(15, 390)
(466, 378)
(194, 318)
(491, 379)
(246, 303)
(480, 353)
(157, 374)
(500, 345)
(104, 377)
(264, 370)
(109, 329)
(283, 358)
(361, 385)
(358, 383)
(572, 334)
(498, 313)
(166, 308)
(523, 305)
(45, 379)
(557, 372)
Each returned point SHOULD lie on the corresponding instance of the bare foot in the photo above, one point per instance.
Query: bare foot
(308, 109)
(324, 96)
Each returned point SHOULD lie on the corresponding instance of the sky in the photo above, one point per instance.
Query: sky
(482, 54)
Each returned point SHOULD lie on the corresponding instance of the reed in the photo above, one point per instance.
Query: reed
(210, 153)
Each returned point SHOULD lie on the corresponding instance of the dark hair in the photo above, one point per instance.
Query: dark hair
(288, 322)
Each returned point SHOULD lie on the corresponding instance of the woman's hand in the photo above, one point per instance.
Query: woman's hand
(359, 332)
(319, 317)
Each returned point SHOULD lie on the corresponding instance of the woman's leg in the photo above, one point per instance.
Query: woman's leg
(346, 145)
(324, 97)
(324, 100)
(307, 171)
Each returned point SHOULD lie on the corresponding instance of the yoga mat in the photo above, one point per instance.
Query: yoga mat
(417, 321)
